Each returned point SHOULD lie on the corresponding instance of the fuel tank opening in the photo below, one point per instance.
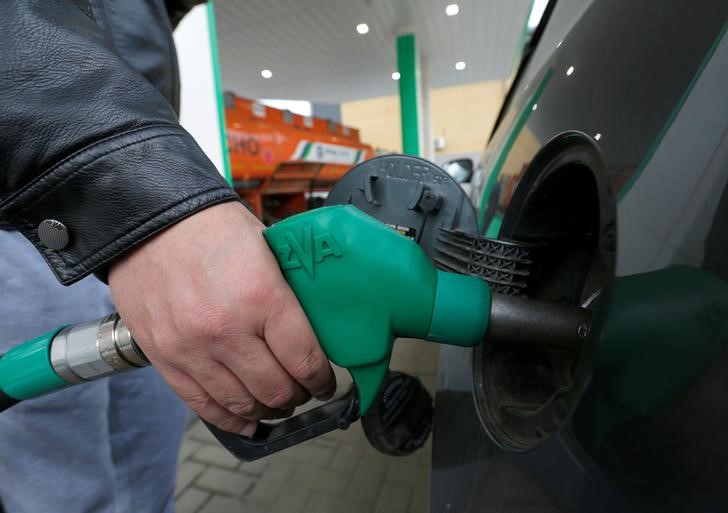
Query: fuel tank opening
(563, 211)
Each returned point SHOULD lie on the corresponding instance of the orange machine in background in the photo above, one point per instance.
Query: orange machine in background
(279, 160)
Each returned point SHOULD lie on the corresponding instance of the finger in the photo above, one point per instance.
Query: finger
(230, 393)
(197, 398)
(264, 376)
(293, 342)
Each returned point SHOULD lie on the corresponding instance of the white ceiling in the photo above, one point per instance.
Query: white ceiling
(315, 53)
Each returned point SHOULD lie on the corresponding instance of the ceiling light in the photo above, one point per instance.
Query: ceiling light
(597, 137)
(569, 71)
(362, 28)
(452, 9)
(460, 65)
(266, 73)
(395, 75)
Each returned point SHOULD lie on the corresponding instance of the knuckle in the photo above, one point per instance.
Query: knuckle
(279, 299)
(210, 323)
(259, 289)
(199, 403)
(280, 397)
(267, 299)
(309, 365)
(242, 407)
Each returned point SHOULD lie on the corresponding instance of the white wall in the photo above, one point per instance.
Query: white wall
(198, 106)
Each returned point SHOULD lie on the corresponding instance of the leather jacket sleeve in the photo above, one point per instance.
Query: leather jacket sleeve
(87, 141)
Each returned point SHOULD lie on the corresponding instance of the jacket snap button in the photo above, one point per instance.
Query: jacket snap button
(53, 234)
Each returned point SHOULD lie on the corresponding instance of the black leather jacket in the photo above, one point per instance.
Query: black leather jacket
(88, 128)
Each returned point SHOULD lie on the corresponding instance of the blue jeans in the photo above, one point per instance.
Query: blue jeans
(105, 446)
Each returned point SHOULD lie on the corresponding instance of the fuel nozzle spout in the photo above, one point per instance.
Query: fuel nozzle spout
(519, 321)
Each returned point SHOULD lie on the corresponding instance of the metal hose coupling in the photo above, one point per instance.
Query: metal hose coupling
(92, 350)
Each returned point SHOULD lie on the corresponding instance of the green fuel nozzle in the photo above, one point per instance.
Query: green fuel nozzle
(362, 284)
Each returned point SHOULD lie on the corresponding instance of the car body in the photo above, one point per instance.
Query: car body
(632, 98)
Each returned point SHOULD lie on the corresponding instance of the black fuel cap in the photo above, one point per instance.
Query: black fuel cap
(410, 194)
(400, 420)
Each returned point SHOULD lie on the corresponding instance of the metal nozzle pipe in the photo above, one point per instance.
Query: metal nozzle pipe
(515, 320)
(92, 350)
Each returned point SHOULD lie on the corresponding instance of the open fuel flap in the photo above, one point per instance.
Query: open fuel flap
(563, 210)
(549, 272)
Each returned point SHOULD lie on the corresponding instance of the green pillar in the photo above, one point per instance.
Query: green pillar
(218, 86)
(409, 78)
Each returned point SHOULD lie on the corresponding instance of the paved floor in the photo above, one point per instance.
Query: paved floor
(336, 473)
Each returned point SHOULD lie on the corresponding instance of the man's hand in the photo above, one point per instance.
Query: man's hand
(208, 305)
